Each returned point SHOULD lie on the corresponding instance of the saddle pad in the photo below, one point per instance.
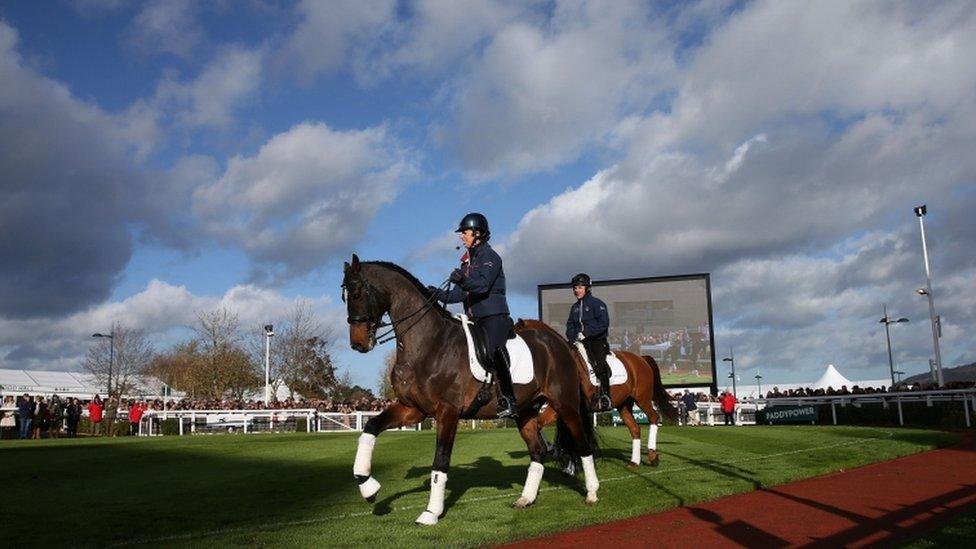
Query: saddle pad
(522, 369)
(618, 373)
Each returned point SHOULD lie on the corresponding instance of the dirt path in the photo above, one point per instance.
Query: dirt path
(875, 504)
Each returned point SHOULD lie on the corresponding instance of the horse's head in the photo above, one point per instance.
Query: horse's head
(365, 305)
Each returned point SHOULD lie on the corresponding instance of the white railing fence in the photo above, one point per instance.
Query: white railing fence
(256, 421)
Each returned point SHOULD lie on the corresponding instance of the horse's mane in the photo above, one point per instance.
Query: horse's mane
(410, 278)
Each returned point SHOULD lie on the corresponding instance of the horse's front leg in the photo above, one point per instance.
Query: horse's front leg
(395, 416)
(532, 434)
(447, 422)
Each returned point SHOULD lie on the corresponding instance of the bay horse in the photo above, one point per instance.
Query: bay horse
(432, 378)
(643, 388)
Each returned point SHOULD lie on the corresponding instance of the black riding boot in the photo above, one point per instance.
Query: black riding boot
(604, 403)
(507, 406)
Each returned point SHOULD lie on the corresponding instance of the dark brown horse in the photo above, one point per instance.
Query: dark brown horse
(432, 378)
(643, 388)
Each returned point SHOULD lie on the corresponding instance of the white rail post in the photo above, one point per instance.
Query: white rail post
(965, 406)
(193, 422)
(179, 418)
(245, 423)
(901, 419)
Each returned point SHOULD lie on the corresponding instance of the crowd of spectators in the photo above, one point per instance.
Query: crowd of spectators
(40, 416)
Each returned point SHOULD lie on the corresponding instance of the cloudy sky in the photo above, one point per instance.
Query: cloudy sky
(162, 158)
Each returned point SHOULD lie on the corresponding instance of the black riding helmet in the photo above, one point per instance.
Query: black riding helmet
(474, 221)
(582, 279)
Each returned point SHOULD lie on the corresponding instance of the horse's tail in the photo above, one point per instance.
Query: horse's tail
(565, 443)
(660, 396)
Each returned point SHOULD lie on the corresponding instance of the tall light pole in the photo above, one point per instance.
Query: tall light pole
(886, 320)
(268, 334)
(111, 357)
(759, 382)
(920, 212)
(731, 359)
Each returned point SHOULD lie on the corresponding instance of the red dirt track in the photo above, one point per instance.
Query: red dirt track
(871, 505)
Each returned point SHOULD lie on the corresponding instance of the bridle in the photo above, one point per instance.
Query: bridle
(373, 311)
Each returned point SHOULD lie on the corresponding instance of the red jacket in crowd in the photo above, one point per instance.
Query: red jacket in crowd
(728, 403)
(95, 411)
(135, 413)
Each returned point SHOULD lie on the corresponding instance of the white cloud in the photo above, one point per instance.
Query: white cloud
(164, 312)
(792, 130)
(308, 194)
(230, 80)
(166, 26)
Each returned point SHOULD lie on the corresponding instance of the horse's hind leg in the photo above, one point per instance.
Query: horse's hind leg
(652, 418)
(397, 415)
(573, 422)
(532, 435)
(447, 422)
(627, 415)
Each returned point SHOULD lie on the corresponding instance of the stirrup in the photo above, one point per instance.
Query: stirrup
(507, 408)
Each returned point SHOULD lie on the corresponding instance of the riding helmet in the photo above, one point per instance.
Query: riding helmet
(582, 279)
(474, 221)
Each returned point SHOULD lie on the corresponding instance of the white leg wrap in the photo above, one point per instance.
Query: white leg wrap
(652, 437)
(369, 488)
(435, 507)
(532, 481)
(589, 472)
(364, 455)
(635, 451)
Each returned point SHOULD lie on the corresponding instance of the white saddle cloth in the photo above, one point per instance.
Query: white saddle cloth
(522, 369)
(618, 373)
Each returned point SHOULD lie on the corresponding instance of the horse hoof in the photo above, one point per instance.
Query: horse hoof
(591, 498)
(427, 518)
(653, 459)
(369, 489)
(632, 465)
(522, 503)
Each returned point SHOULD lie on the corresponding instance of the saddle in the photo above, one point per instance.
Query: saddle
(480, 339)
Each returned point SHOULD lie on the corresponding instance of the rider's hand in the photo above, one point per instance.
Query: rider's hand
(457, 276)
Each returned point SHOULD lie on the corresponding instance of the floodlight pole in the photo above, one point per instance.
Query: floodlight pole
(268, 334)
(886, 320)
(936, 321)
(759, 382)
(731, 360)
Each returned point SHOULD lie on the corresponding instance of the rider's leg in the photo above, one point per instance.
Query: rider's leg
(507, 406)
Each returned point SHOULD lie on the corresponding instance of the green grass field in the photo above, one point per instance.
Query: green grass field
(298, 490)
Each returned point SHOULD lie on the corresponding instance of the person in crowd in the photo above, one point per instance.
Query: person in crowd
(57, 416)
(110, 414)
(73, 413)
(728, 401)
(42, 418)
(588, 324)
(136, 410)
(25, 413)
(691, 408)
(480, 284)
(95, 409)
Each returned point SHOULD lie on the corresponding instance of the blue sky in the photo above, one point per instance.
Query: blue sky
(160, 159)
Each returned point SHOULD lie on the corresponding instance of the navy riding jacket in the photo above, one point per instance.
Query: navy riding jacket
(483, 287)
(588, 315)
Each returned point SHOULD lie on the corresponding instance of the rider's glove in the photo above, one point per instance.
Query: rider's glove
(457, 276)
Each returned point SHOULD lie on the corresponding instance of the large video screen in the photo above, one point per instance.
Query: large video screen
(668, 318)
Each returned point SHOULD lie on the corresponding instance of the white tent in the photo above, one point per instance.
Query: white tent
(832, 378)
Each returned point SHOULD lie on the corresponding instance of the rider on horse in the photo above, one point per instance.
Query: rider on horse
(480, 284)
(588, 323)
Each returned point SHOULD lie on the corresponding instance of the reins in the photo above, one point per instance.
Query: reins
(371, 302)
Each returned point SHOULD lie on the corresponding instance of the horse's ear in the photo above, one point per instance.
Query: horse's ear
(345, 267)
(355, 263)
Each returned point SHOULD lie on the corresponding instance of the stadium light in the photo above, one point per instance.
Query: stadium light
(731, 360)
(268, 334)
(759, 383)
(111, 357)
(886, 320)
(920, 212)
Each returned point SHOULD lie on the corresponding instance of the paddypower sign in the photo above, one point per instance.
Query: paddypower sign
(791, 414)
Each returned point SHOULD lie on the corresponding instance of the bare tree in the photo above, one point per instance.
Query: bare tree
(305, 348)
(127, 353)
(224, 364)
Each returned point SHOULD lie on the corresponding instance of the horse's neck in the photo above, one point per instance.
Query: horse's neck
(415, 318)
